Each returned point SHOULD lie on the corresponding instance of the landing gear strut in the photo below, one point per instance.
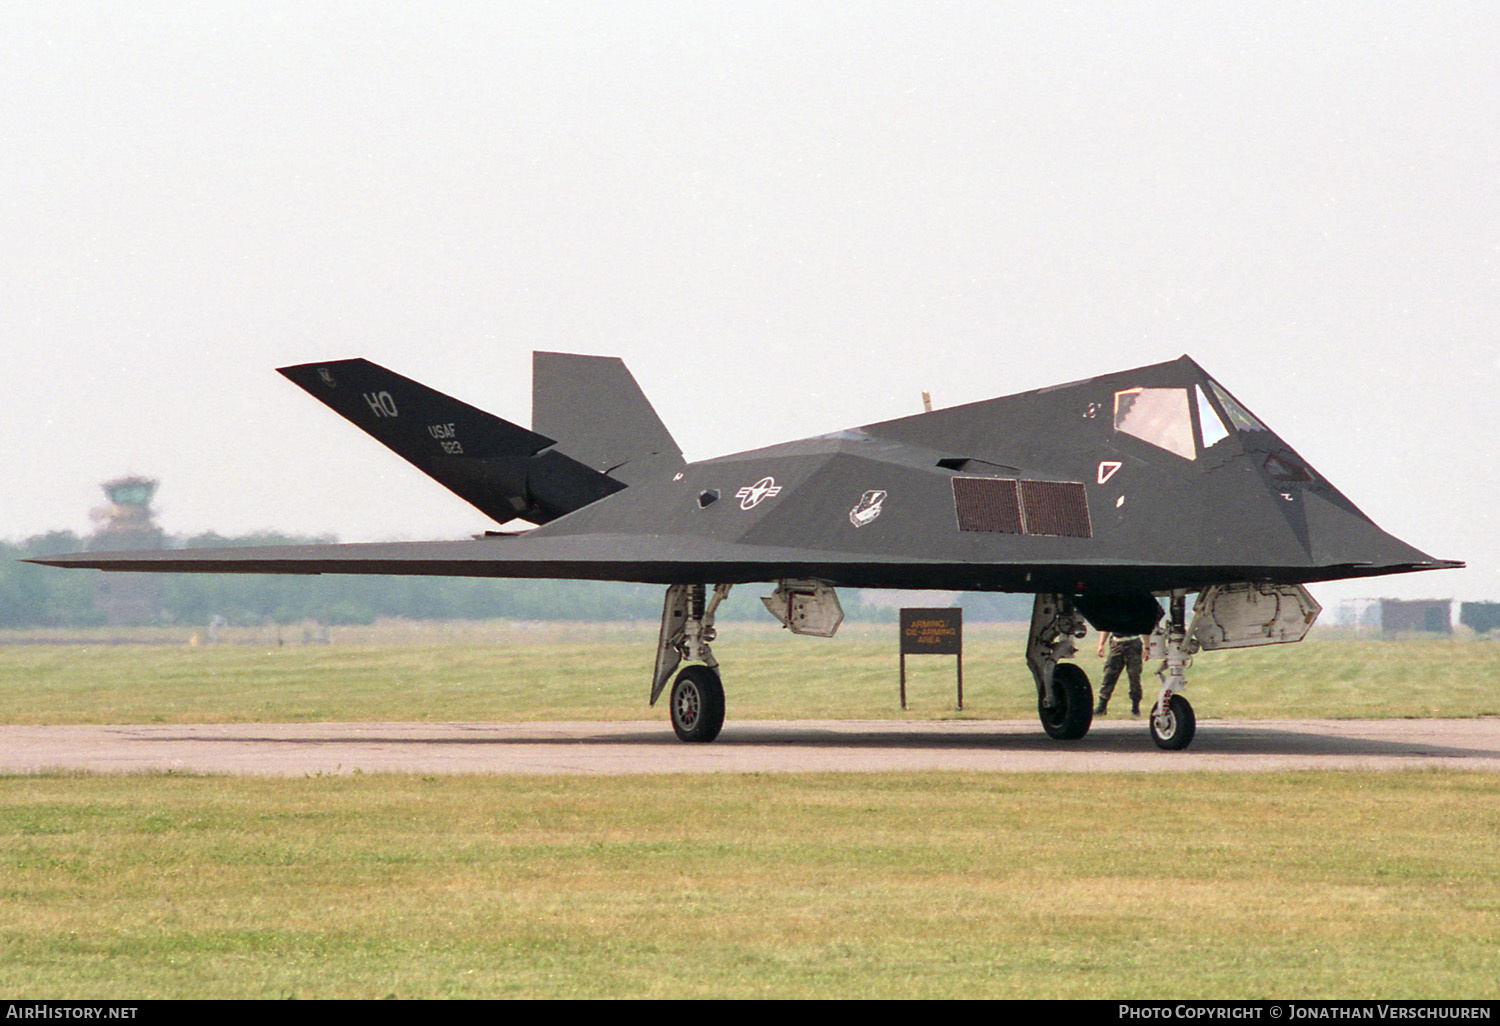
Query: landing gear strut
(1065, 701)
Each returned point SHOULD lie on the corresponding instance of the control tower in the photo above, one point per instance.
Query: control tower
(128, 522)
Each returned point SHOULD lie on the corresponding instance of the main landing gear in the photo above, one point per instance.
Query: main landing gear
(687, 628)
(1064, 699)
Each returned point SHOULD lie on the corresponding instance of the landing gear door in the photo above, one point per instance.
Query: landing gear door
(806, 607)
(674, 617)
(1246, 615)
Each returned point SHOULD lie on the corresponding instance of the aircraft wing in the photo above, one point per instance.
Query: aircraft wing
(664, 559)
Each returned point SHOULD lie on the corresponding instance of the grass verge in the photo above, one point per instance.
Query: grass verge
(1218, 885)
(552, 672)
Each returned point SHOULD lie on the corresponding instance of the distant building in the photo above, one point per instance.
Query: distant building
(1429, 616)
(128, 522)
(1361, 614)
(1479, 617)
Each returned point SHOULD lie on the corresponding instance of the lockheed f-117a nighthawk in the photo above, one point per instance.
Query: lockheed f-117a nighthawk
(1101, 498)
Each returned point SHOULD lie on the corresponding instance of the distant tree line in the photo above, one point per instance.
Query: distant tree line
(37, 596)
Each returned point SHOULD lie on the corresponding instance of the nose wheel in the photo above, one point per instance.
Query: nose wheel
(1172, 727)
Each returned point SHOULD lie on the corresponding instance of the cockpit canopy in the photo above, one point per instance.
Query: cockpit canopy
(1187, 423)
(1182, 421)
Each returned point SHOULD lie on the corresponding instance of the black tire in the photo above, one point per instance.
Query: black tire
(1070, 718)
(697, 704)
(1174, 731)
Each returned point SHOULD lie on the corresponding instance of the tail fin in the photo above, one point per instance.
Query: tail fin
(599, 416)
(496, 466)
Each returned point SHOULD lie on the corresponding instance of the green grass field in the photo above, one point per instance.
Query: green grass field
(927, 885)
(1334, 885)
(548, 672)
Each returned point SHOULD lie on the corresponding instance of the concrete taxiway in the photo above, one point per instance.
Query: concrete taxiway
(1113, 746)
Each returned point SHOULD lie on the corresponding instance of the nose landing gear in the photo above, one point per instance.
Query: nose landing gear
(1172, 719)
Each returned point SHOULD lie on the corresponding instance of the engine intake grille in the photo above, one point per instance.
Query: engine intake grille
(987, 504)
(1002, 506)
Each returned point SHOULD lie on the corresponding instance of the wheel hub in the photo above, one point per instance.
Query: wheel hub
(1164, 722)
(688, 706)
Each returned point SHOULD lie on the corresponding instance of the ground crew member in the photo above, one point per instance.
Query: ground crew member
(1124, 654)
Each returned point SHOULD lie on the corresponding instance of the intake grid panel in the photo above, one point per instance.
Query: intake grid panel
(987, 504)
(1001, 506)
(1057, 508)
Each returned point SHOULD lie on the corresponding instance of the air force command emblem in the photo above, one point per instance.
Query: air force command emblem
(868, 507)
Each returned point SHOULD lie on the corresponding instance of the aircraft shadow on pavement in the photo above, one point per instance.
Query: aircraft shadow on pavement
(1227, 739)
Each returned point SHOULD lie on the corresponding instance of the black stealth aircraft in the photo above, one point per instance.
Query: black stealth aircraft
(1098, 497)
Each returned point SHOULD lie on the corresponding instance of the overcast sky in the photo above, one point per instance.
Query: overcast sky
(788, 218)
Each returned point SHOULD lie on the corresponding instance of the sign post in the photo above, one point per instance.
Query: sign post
(932, 632)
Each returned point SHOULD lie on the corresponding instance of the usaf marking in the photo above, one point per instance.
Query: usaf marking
(753, 495)
(447, 437)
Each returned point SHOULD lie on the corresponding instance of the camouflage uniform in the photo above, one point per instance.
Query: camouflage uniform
(1124, 654)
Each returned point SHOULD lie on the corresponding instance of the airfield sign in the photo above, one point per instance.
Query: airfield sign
(932, 632)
